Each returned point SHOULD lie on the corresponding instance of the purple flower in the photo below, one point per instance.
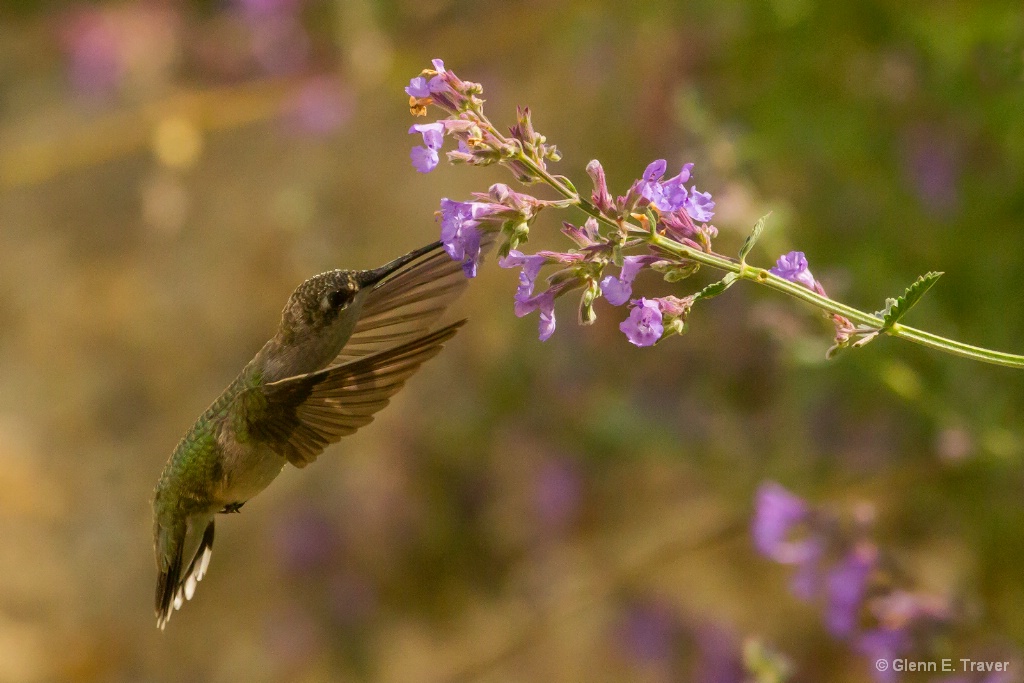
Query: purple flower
(807, 555)
(671, 195)
(321, 106)
(883, 644)
(418, 88)
(776, 513)
(557, 492)
(648, 632)
(94, 50)
(433, 133)
(618, 290)
(643, 326)
(675, 187)
(530, 265)
(649, 185)
(699, 205)
(279, 42)
(460, 234)
(654, 171)
(668, 195)
(424, 159)
(845, 586)
(438, 84)
(545, 302)
(793, 267)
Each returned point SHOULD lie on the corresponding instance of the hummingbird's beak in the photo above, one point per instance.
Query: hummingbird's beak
(369, 278)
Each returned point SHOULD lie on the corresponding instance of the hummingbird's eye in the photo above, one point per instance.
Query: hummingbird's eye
(338, 298)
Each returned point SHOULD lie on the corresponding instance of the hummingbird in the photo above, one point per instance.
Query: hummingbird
(347, 342)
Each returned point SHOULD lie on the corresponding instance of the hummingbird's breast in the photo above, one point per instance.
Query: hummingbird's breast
(248, 468)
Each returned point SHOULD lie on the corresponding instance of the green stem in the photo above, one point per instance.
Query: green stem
(762, 277)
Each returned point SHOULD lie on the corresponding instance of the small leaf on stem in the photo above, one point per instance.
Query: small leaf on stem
(895, 309)
(752, 238)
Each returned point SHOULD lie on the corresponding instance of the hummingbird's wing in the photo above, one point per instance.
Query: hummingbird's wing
(299, 416)
(406, 304)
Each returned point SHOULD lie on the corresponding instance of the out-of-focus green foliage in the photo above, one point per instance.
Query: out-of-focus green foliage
(572, 510)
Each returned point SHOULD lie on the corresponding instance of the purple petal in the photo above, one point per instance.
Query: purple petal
(655, 194)
(655, 170)
(546, 324)
(472, 250)
(616, 291)
(699, 205)
(631, 265)
(530, 265)
(418, 88)
(682, 176)
(424, 159)
(433, 133)
(459, 234)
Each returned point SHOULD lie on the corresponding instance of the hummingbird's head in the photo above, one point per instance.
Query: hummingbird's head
(331, 301)
(319, 302)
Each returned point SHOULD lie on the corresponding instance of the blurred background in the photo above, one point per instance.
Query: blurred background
(562, 511)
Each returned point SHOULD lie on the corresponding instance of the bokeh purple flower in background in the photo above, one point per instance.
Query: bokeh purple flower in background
(305, 539)
(648, 631)
(111, 49)
(278, 41)
(91, 42)
(846, 585)
(557, 494)
(321, 106)
(777, 512)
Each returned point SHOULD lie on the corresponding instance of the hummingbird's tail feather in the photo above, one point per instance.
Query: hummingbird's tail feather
(304, 414)
(174, 587)
(408, 302)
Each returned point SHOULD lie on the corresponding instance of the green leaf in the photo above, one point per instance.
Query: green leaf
(568, 183)
(752, 238)
(895, 309)
(652, 220)
(716, 288)
(681, 272)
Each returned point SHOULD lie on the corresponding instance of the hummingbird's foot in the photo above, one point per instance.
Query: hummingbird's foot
(232, 507)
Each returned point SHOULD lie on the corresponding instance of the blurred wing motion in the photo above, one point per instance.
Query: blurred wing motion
(301, 415)
(406, 304)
